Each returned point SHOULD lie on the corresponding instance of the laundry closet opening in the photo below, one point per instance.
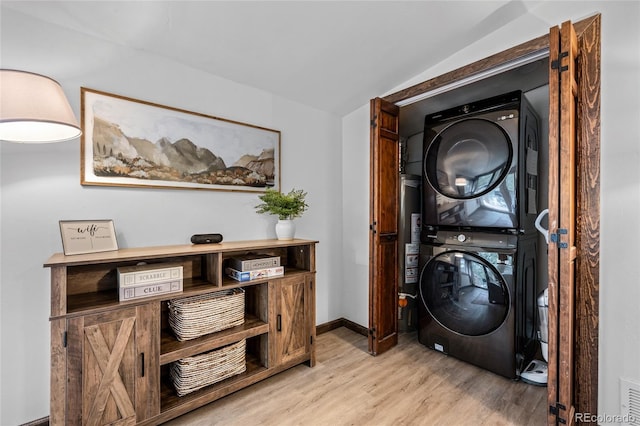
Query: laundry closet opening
(481, 262)
(572, 105)
(474, 167)
(532, 79)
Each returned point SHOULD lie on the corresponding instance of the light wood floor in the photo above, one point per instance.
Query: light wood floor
(409, 385)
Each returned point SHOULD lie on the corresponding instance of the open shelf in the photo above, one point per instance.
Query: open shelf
(228, 282)
(173, 350)
(170, 400)
(108, 299)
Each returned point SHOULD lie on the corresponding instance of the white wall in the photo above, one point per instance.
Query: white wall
(619, 334)
(355, 247)
(40, 184)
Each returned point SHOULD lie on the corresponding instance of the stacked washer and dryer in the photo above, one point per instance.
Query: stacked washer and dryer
(477, 284)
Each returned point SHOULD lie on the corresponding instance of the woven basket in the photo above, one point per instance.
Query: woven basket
(193, 373)
(195, 316)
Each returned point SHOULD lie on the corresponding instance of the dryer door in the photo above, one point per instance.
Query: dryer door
(465, 293)
(468, 159)
(470, 166)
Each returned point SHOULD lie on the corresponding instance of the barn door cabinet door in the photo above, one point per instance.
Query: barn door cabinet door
(574, 152)
(293, 324)
(383, 235)
(112, 367)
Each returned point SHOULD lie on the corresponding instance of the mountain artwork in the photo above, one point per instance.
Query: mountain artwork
(134, 143)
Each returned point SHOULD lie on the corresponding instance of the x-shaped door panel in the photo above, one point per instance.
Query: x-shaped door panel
(108, 361)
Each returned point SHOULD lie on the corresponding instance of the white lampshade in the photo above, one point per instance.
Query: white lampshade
(34, 109)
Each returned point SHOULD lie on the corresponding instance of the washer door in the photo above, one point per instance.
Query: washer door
(468, 159)
(464, 292)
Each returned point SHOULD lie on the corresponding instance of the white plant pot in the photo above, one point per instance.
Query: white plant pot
(285, 229)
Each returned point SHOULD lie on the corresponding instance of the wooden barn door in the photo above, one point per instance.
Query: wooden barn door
(573, 186)
(383, 235)
(562, 251)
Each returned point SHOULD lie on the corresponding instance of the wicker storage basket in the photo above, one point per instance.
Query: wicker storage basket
(193, 373)
(195, 316)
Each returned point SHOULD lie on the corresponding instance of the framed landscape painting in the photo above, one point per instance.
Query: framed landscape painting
(128, 142)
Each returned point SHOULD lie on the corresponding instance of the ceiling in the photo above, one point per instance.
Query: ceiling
(330, 55)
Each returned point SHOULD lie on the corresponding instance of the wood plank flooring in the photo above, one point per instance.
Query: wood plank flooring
(409, 385)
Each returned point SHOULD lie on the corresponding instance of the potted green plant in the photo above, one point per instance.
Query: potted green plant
(286, 206)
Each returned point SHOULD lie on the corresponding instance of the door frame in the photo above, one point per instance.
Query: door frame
(587, 188)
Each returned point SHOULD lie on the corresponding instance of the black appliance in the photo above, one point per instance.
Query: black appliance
(480, 167)
(408, 250)
(477, 299)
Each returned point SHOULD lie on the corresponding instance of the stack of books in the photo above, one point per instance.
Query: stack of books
(253, 267)
(140, 281)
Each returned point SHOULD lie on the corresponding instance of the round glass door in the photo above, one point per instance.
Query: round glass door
(468, 158)
(464, 293)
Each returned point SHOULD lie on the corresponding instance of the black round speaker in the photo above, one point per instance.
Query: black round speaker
(206, 238)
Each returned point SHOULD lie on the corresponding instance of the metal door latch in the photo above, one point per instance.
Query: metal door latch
(555, 238)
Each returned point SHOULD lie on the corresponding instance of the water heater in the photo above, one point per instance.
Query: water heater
(408, 250)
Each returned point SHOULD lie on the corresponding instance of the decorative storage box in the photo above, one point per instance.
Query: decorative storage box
(130, 276)
(140, 281)
(251, 262)
(193, 373)
(192, 317)
(242, 276)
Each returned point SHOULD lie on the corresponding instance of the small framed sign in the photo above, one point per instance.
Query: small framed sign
(88, 236)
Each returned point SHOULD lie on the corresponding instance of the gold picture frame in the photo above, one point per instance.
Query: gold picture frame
(133, 143)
